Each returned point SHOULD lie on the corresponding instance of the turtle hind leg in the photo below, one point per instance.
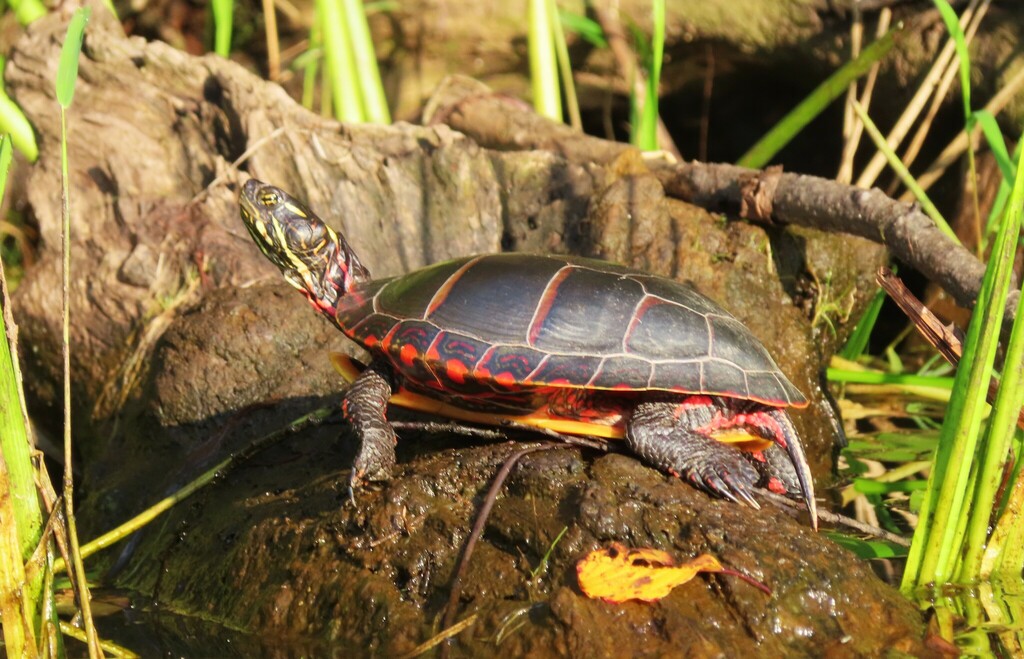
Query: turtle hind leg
(666, 436)
(364, 406)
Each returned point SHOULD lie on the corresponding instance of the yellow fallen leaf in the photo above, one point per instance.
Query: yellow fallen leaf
(617, 573)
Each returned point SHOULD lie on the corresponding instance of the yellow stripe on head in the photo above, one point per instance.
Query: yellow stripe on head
(293, 259)
(297, 210)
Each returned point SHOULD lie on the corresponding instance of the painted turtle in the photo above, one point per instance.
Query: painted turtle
(581, 345)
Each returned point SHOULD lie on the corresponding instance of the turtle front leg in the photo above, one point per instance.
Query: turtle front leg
(364, 406)
(666, 436)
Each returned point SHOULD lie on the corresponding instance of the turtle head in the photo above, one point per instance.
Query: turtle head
(310, 254)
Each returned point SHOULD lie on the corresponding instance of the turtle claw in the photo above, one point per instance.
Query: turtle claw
(736, 490)
(748, 498)
(353, 483)
(731, 481)
(714, 485)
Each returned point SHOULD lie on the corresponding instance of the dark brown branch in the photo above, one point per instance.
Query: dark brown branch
(823, 204)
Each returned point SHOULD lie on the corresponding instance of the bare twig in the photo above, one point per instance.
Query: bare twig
(833, 518)
(810, 201)
(856, 37)
(438, 427)
(948, 340)
(478, 529)
(256, 146)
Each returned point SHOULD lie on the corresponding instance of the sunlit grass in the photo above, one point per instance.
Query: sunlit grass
(223, 25)
(905, 176)
(957, 508)
(67, 75)
(547, 95)
(944, 517)
(14, 123)
(21, 596)
(950, 546)
(27, 11)
(644, 113)
(832, 88)
(351, 76)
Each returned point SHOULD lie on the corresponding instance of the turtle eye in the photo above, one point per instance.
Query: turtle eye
(269, 198)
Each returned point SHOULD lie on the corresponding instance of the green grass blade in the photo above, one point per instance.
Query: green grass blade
(952, 22)
(14, 437)
(994, 137)
(18, 630)
(1001, 425)
(5, 160)
(223, 25)
(858, 341)
(898, 379)
(542, 566)
(588, 29)
(934, 551)
(67, 68)
(786, 129)
(21, 601)
(27, 11)
(867, 549)
(565, 67)
(310, 65)
(375, 105)
(346, 96)
(872, 487)
(645, 131)
(905, 176)
(1002, 196)
(67, 74)
(14, 123)
(547, 98)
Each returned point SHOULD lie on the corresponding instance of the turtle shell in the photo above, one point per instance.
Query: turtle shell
(507, 322)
